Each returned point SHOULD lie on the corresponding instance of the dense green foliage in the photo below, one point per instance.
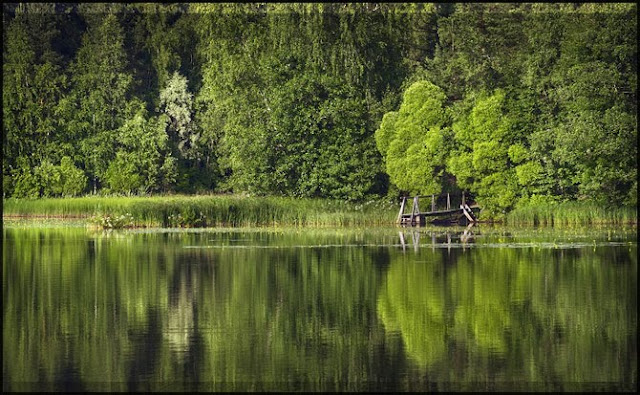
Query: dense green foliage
(542, 102)
(517, 104)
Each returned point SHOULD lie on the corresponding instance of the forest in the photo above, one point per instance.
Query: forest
(516, 104)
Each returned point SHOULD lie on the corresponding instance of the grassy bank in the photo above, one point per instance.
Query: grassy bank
(205, 210)
(571, 213)
(235, 210)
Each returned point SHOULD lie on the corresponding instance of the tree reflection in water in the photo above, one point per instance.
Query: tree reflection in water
(540, 316)
(312, 310)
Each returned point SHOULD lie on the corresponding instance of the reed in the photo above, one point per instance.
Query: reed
(206, 211)
(571, 214)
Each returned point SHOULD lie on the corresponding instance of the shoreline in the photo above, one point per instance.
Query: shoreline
(293, 224)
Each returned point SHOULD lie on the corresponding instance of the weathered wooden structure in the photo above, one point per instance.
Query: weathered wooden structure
(438, 213)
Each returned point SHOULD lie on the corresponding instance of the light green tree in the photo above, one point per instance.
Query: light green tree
(143, 161)
(414, 140)
(177, 103)
(481, 160)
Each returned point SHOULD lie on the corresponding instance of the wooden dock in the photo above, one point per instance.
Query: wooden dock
(438, 213)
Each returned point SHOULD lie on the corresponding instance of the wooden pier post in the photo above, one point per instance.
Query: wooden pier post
(415, 211)
(433, 203)
(404, 201)
(448, 202)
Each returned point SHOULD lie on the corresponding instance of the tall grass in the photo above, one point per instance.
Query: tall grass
(236, 210)
(209, 210)
(571, 214)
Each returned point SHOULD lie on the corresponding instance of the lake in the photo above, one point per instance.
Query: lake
(485, 308)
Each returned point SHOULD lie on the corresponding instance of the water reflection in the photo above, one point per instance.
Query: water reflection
(439, 237)
(133, 311)
(543, 318)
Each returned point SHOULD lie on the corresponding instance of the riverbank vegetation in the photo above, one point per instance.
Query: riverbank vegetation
(571, 214)
(205, 211)
(185, 211)
(517, 104)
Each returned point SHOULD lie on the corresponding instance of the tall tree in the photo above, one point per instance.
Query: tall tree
(33, 83)
(414, 140)
(98, 101)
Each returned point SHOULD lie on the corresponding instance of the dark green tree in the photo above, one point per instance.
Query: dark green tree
(98, 102)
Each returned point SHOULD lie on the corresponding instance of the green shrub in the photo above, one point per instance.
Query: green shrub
(122, 175)
(26, 185)
(73, 179)
(49, 180)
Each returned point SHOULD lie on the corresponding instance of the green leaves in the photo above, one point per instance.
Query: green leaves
(123, 176)
(177, 103)
(74, 181)
(143, 162)
(481, 163)
(290, 110)
(412, 140)
(49, 180)
(324, 99)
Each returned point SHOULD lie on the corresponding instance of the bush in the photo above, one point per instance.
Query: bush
(122, 175)
(72, 178)
(26, 185)
(49, 180)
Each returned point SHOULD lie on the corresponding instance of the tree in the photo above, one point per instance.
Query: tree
(49, 180)
(414, 140)
(481, 161)
(293, 109)
(98, 102)
(143, 161)
(177, 103)
(33, 83)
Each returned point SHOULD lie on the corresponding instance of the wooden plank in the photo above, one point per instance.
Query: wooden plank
(443, 212)
(464, 210)
(412, 211)
(434, 213)
(468, 209)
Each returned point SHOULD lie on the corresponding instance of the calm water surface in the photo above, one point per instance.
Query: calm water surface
(447, 309)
